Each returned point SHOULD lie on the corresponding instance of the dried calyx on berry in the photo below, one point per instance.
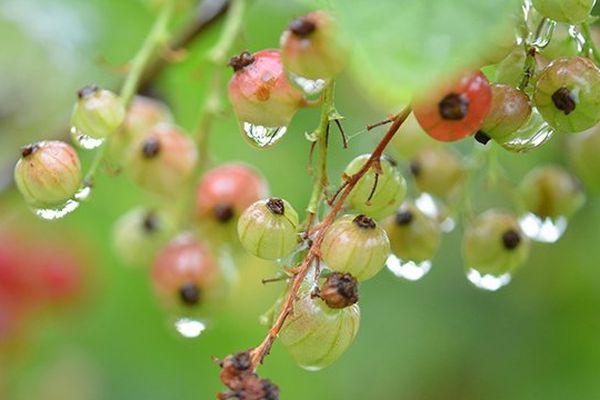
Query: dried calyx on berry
(97, 113)
(340, 290)
(243, 383)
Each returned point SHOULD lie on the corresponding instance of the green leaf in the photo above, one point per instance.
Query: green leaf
(402, 46)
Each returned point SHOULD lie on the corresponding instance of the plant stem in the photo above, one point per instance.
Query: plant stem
(589, 42)
(259, 352)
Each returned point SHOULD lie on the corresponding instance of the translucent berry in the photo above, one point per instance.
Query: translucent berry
(139, 234)
(376, 194)
(413, 235)
(568, 11)
(226, 191)
(567, 94)
(357, 245)
(494, 244)
(562, 44)
(185, 274)
(267, 229)
(317, 335)
(260, 92)
(583, 150)
(163, 160)
(510, 110)
(551, 192)
(312, 48)
(97, 113)
(411, 139)
(437, 171)
(455, 110)
(48, 173)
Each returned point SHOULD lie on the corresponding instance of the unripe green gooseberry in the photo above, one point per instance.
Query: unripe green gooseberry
(376, 195)
(413, 235)
(268, 229)
(357, 245)
(568, 11)
(98, 112)
(510, 110)
(551, 192)
(583, 150)
(317, 335)
(437, 171)
(494, 243)
(139, 234)
(567, 94)
(48, 173)
(411, 139)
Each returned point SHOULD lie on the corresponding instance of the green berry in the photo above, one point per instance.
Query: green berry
(317, 335)
(376, 195)
(97, 113)
(551, 192)
(267, 229)
(583, 150)
(562, 44)
(413, 235)
(494, 243)
(437, 171)
(48, 173)
(357, 245)
(411, 139)
(568, 11)
(567, 94)
(510, 110)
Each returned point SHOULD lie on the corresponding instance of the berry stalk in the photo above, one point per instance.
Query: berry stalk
(589, 42)
(259, 352)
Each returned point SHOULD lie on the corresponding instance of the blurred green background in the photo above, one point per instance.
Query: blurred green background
(439, 338)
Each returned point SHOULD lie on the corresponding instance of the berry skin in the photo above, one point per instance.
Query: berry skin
(551, 192)
(583, 150)
(457, 110)
(494, 244)
(260, 92)
(562, 44)
(163, 160)
(185, 274)
(568, 11)
(413, 235)
(317, 335)
(567, 94)
(267, 229)
(311, 47)
(510, 110)
(226, 191)
(138, 234)
(390, 188)
(437, 171)
(48, 173)
(98, 112)
(411, 139)
(357, 245)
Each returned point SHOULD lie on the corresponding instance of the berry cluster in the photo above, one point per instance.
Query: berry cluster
(532, 89)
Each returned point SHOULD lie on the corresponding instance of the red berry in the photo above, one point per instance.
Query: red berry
(455, 110)
(226, 191)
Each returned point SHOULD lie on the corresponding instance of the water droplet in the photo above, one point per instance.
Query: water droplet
(579, 39)
(58, 212)
(409, 270)
(435, 209)
(309, 86)
(539, 29)
(189, 327)
(546, 230)
(532, 135)
(83, 193)
(263, 136)
(311, 368)
(489, 282)
(84, 141)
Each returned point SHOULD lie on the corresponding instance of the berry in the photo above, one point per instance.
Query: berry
(413, 235)
(260, 92)
(567, 94)
(317, 335)
(551, 192)
(562, 43)
(48, 173)
(185, 273)
(163, 160)
(376, 195)
(494, 243)
(437, 171)
(98, 112)
(583, 150)
(455, 110)
(568, 11)
(357, 245)
(510, 110)
(226, 191)
(267, 229)
(138, 234)
(311, 47)
(411, 138)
